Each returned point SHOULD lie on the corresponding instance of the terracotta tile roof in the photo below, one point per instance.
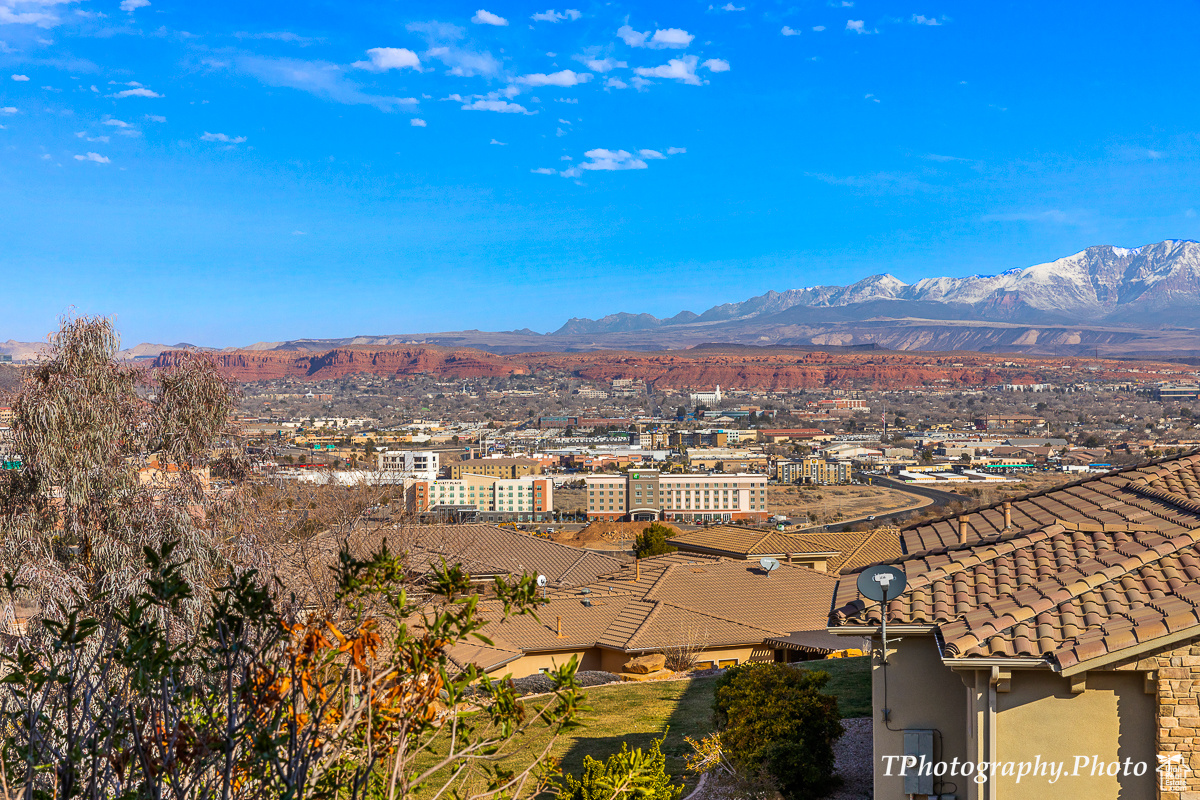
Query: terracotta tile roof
(1086, 571)
(487, 550)
(855, 548)
(738, 542)
(675, 599)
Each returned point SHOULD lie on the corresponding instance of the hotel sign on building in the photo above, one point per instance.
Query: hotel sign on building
(646, 495)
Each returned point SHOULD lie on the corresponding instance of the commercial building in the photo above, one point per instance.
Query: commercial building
(706, 398)
(722, 459)
(484, 498)
(1177, 391)
(423, 464)
(645, 495)
(496, 467)
(813, 471)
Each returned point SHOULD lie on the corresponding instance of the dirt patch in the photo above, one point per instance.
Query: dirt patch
(606, 534)
(826, 504)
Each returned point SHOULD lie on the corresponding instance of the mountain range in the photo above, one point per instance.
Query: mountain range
(1105, 300)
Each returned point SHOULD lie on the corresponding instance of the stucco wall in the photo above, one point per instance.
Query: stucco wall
(532, 664)
(922, 693)
(1113, 719)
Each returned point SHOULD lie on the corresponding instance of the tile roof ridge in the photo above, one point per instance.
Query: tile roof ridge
(653, 612)
(583, 557)
(657, 581)
(846, 557)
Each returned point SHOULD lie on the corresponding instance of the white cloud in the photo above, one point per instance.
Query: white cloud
(601, 64)
(83, 135)
(385, 58)
(140, 91)
(465, 63)
(786, 31)
(279, 36)
(842, 3)
(222, 137)
(116, 123)
(498, 142)
(29, 12)
(20, 77)
(564, 78)
(544, 171)
(319, 78)
(572, 100)
(299, 233)
(679, 69)
(608, 160)
(417, 123)
(663, 38)
(8, 110)
(488, 18)
(871, 97)
(615, 83)
(857, 26)
(156, 118)
(650, 155)
(716, 65)
(553, 16)
(133, 5)
(921, 19)
(565, 158)
(818, 28)
(631, 37)
(499, 106)
(732, 7)
(95, 158)
(672, 151)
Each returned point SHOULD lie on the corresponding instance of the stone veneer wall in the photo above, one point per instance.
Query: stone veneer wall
(1176, 673)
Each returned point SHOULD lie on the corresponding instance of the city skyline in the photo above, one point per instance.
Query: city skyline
(225, 175)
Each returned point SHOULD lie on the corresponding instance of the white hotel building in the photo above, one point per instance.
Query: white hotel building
(647, 494)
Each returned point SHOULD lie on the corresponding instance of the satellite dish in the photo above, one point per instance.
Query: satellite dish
(881, 583)
(541, 581)
(769, 565)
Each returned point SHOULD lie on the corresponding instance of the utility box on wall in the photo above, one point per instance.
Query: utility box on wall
(919, 744)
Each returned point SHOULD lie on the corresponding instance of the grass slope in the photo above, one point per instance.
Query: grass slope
(639, 713)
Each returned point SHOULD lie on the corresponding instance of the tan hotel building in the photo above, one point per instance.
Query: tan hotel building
(645, 495)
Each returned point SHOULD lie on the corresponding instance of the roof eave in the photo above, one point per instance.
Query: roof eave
(1131, 652)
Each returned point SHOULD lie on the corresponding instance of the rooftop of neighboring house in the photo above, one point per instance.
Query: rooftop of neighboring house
(670, 600)
(843, 551)
(1087, 574)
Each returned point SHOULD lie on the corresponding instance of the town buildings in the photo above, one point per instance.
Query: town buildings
(422, 464)
(645, 495)
(484, 498)
(813, 470)
(508, 468)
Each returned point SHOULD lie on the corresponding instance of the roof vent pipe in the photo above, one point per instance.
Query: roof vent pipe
(962, 529)
(1007, 514)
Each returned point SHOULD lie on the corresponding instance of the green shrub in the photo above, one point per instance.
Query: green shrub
(653, 541)
(774, 719)
(627, 775)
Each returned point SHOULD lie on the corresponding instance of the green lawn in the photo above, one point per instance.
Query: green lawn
(639, 713)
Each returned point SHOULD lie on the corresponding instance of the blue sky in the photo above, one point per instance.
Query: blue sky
(224, 173)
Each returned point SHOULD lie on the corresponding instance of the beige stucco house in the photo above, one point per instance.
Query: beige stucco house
(1055, 637)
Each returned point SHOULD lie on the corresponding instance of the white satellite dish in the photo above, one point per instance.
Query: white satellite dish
(541, 581)
(769, 565)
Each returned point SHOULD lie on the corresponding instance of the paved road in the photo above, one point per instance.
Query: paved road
(939, 498)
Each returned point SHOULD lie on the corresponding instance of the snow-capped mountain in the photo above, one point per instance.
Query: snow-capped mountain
(1099, 284)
